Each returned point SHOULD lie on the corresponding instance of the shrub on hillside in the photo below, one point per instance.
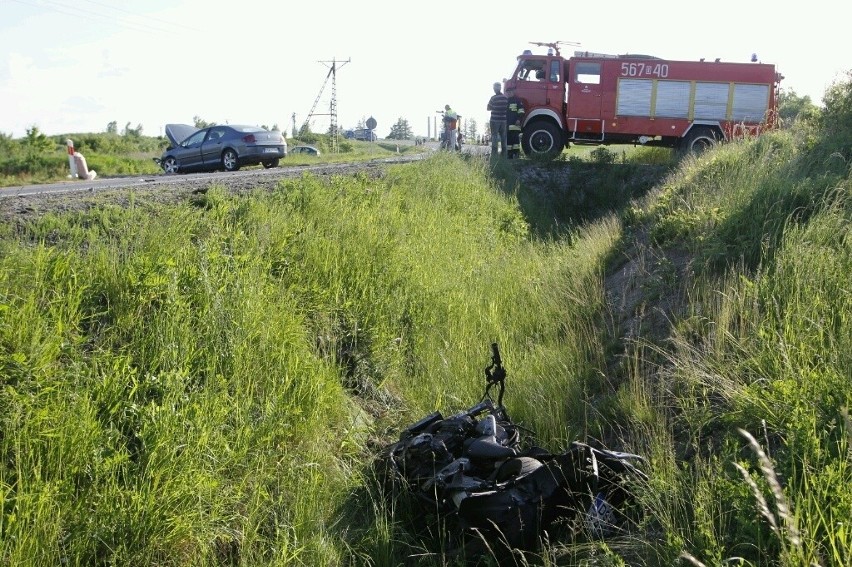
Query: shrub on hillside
(834, 150)
(110, 143)
(23, 166)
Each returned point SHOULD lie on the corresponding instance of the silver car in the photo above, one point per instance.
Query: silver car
(221, 147)
(305, 150)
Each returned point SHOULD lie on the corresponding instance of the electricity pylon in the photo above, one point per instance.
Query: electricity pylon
(332, 74)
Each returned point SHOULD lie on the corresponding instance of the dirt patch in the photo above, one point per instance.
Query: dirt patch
(646, 291)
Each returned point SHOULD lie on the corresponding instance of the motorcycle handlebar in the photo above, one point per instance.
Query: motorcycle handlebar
(495, 374)
(473, 411)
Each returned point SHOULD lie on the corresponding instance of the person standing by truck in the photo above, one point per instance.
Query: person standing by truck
(498, 104)
(514, 122)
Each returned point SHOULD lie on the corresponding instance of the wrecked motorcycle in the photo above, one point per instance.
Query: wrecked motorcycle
(471, 468)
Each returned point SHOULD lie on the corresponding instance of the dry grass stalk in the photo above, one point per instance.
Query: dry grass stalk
(784, 511)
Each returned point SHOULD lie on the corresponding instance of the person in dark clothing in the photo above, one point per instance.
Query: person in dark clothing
(451, 119)
(498, 104)
(514, 122)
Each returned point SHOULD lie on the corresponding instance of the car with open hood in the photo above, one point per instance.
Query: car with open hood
(220, 147)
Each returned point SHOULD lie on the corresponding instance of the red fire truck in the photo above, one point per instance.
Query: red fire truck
(594, 98)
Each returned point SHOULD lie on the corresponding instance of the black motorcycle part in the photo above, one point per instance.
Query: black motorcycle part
(513, 512)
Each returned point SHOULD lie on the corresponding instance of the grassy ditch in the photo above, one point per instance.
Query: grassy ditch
(205, 383)
(200, 384)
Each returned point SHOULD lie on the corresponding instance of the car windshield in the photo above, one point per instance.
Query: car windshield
(195, 139)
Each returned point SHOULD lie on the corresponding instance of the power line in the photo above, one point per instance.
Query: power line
(87, 15)
(167, 22)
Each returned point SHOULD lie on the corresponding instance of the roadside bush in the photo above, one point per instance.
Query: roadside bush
(109, 143)
(37, 158)
(45, 165)
(832, 154)
(602, 155)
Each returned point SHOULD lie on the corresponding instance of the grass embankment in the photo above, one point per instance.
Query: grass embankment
(196, 384)
(201, 385)
(761, 351)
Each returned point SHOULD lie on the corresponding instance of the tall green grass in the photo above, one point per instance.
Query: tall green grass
(200, 384)
(205, 383)
(776, 364)
(756, 385)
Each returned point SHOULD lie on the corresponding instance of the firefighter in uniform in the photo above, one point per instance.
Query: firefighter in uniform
(514, 121)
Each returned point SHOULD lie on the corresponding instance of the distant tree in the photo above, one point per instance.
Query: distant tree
(6, 143)
(400, 131)
(132, 132)
(471, 129)
(791, 106)
(112, 127)
(308, 137)
(362, 123)
(36, 142)
(200, 123)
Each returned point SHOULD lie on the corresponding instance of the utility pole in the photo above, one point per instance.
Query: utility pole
(332, 74)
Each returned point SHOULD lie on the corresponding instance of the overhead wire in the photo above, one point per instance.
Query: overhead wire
(125, 22)
(149, 17)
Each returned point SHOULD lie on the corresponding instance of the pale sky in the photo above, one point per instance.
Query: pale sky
(74, 66)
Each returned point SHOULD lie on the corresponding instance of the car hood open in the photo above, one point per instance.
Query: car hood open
(177, 133)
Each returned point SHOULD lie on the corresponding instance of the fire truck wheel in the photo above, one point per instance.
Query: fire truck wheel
(699, 140)
(542, 139)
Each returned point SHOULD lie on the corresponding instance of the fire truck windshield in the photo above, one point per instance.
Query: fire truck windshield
(531, 69)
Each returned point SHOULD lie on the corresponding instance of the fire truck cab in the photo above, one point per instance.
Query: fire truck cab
(595, 98)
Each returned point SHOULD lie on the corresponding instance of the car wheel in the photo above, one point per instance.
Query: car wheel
(170, 165)
(230, 161)
(270, 164)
